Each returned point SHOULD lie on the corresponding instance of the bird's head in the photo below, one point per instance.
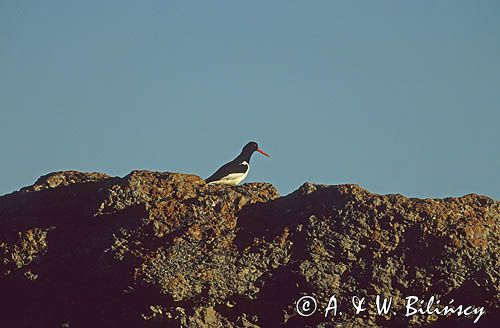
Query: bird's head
(253, 146)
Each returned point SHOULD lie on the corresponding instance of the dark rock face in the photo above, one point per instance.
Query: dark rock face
(166, 250)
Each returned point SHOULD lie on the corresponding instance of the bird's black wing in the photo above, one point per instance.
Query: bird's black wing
(227, 169)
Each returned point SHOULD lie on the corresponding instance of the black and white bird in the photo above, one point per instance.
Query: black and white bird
(235, 171)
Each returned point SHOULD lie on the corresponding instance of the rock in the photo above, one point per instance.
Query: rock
(163, 249)
(64, 178)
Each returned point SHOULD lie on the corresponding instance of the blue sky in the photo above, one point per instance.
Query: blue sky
(397, 96)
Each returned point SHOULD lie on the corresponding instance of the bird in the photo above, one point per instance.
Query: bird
(235, 171)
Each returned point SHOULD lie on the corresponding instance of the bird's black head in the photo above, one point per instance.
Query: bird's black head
(251, 147)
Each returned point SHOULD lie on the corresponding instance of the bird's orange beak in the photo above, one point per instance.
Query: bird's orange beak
(263, 152)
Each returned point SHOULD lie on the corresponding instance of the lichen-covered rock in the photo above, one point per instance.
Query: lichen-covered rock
(163, 249)
(64, 178)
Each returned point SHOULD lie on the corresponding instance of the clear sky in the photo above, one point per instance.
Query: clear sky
(397, 96)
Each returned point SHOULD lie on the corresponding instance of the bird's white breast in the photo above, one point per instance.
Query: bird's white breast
(233, 178)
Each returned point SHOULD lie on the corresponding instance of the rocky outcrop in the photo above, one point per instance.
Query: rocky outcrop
(167, 250)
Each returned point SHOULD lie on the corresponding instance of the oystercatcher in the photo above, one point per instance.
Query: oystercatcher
(235, 171)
